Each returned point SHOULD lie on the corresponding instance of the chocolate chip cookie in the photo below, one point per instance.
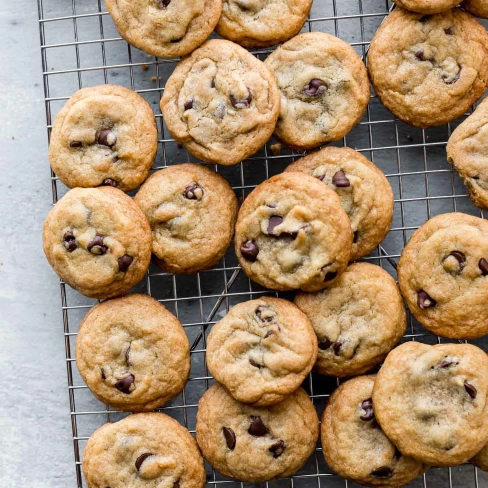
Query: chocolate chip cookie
(443, 275)
(427, 6)
(98, 241)
(132, 353)
(481, 459)
(429, 69)
(353, 444)
(358, 320)
(256, 443)
(143, 450)
(467, 151)
(165, 28)
(221, 103)
(262, 350)
(431, 401)
(292, 233)
(262, 23)
(104, 135)
(476, 7)
(192, 212)
(324, 89)
(365, 193)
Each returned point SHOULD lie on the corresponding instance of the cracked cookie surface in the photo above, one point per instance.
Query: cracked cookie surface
(104, 135)
(149, 450)
(428, 70)
(358, 320)
(98, 241)
(165, 28)
(132, 353)
(427, 6)
(192, 212)
(353, 444)
(365, 194)
(431, 401)
(292, 233)
(476, 7)
(467, 151)
(442, 275)
(256, 443)
(262, 350)
(324, 89)
(221, 103)
(262, 23)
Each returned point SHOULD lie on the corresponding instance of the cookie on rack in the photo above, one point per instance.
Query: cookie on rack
(481, 459)
(467, 151)
(104, 135)
(353, 444)
(432, 401)
(358, 320)
(292, 233)
(427, 6)
(262, 24)
(256, 443)
(142, 450)
(98, 241)
(365, 193)
(262, 350)
(476, 7)
(429, 69)
(165, 28)
(442, 274)
(221, 103)
(324, 89)
(192, 212)
(132, 353)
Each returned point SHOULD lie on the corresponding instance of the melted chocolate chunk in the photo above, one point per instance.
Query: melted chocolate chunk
(340, 180)
(239, 104)
(277, 448)
(337, 347)
(109, 182)
(257, 428)
(325, 344)
(96, 246)
(75, 144)
(383, 472)
(470, 390)
(424, 300)
(367, 406)
(124, 384)
(69, 241)
(124, 262)
(230, 438)
(141, 459)
(107, 138)
(250, 251)
(483, 265)
(314, 88)
(189, 104)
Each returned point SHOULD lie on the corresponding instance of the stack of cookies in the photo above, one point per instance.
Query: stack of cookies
(298, 231)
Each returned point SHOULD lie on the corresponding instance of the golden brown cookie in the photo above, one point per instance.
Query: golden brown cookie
(427, 6)
(476, 7)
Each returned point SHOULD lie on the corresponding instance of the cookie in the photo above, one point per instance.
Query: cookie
(353, 444)
(262, 350)
(132, 353)
(143, 450)
(324, 89)
(467, 151)
(261, 23)
(431, 401)
(98, 241)
(358, 320)
(292, 233)
(476, 7)
(221, 103)
(365, 193)
(428, 70)
(442, 275)
(192, 212)
(481, 459)
(104, 135)
(427, 6)
(165, 28)
(256, 443)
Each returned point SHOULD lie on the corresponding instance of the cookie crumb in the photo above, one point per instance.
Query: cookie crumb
(145, 67)
(154, 78)
(276, 149)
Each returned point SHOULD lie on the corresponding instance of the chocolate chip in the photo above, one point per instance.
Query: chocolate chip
(102, 371)
(445, 363)
(383, 472)
(164, 3)
(257, 428)
(448, 80)
(69, 241)
(424, 18)
(176, 484)
(340, 180)
(141, 459)
(420, 55)
(96, 246)
(449, 31)
(330, 275)
(75, 144)
(124, 384)
(255, 364)
(355, 236)
(107, 138)
(470, 390)
(314, 88)
(230, 437)
(175, 41)
(461, 259)
(483, 265)
(127, 355)
(367, 406)
(274, 221)
(193, 192)
(189, 104)
(109, 182)
(277, 448)
(269, 334)
(212, 83)
(241, 103)
(337, 347)
(320, 177)
(124, 262)
(424, 300)
(250, 251)
(265, 317)
(325, 344)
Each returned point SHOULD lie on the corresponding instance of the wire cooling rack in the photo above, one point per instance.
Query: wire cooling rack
(81, 47)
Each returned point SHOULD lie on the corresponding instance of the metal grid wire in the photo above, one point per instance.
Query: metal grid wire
(80, 47)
